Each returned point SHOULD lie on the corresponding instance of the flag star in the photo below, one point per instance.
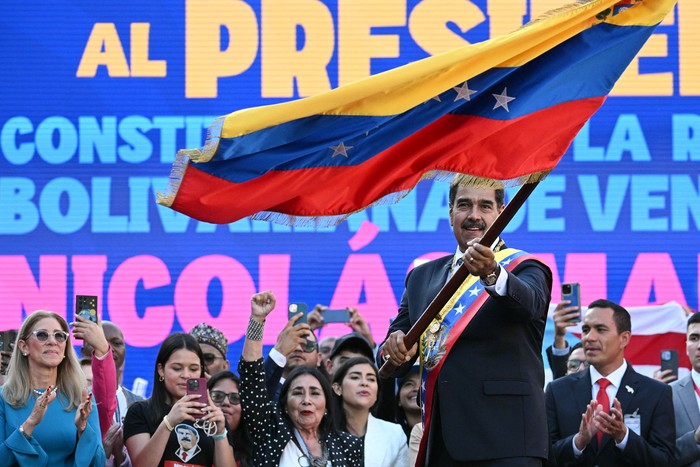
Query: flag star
(502, 100)
(474, 291)
(340, 150)
(436, 98)
(463, 92)
(506, 262)
(422, 386)
(460, 309)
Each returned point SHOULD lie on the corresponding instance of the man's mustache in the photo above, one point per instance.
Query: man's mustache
(474, 225)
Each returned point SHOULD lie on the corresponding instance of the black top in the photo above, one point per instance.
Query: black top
(187, 445)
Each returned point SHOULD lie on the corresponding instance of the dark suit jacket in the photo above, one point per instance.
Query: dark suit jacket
(489, 390)
(687, 414)
(557, 363)
(567, 399)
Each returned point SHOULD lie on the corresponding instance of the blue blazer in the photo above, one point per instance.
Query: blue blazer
(652, 400)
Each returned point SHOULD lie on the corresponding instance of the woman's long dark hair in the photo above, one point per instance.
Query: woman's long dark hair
(340, 419)
(239, 439)
(171, 344)
(328, 421)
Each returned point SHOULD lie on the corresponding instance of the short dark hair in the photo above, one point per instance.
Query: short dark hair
(499, 193)
(328, 421)
(694, 318)
(577, 345)
(621, 316)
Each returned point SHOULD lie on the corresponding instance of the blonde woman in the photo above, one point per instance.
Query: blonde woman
(46, 413)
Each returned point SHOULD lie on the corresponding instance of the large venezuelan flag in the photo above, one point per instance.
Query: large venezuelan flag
(505, 109)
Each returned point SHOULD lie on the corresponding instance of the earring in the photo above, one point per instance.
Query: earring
(24, 354)
(161, 379)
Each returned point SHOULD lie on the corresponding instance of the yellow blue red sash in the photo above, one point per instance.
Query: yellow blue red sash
(436, 342)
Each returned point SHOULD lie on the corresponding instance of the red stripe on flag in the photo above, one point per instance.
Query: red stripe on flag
(645, 350)
(498, 149)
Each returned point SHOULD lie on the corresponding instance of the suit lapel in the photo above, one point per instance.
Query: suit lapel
(583, 390)
(440, 277)
(628, 389)
(687, 397)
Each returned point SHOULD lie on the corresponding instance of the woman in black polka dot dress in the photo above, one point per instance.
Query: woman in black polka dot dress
(299, 430)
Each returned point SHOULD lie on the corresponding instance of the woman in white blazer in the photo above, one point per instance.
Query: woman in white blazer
(355, 387)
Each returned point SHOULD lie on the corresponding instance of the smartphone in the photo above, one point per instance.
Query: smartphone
(86, 307)
(669, 361)
(572, 292)
(296, 308)
(198, 386)
(293, 310)
(335, 316)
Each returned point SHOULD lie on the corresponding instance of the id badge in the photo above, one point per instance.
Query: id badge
(634, 422)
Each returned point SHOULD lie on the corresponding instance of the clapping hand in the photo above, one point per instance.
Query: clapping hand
(83, 412)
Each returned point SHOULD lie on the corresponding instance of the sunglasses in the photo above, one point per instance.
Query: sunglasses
(42, 335)
(210, 358)
(218, 397)
(309, 346)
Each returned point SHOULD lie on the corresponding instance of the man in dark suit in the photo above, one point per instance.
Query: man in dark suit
(487, 406)
(608, 414)
(685, 400)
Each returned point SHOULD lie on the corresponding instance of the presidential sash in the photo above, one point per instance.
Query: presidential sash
(437, 341)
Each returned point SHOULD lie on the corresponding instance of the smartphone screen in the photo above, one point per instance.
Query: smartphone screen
(198, 386)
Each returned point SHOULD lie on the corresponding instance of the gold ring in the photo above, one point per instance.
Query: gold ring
(42, 405)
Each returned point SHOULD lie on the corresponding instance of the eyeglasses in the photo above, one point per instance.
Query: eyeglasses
(210, 358)
(42, 335)
(218, 397)
(575, 364)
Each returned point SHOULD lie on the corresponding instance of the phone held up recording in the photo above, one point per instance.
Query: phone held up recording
(572, 292)
(198, 386)
(669, 361)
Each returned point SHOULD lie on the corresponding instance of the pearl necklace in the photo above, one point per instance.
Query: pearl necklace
(40, 393)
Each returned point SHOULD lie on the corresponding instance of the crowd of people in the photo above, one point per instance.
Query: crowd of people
(470, 393)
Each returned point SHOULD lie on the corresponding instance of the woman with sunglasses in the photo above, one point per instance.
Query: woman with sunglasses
(47, 416)
(356, 389)
(297, 431)
(223, 390)
(173, 427)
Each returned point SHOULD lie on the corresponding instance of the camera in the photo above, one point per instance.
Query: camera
(193, 385)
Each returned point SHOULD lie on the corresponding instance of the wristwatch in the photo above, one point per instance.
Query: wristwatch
(491, 278)
(21, 430)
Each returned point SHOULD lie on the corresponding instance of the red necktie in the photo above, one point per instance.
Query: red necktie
(184, 456)
(603, 400)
